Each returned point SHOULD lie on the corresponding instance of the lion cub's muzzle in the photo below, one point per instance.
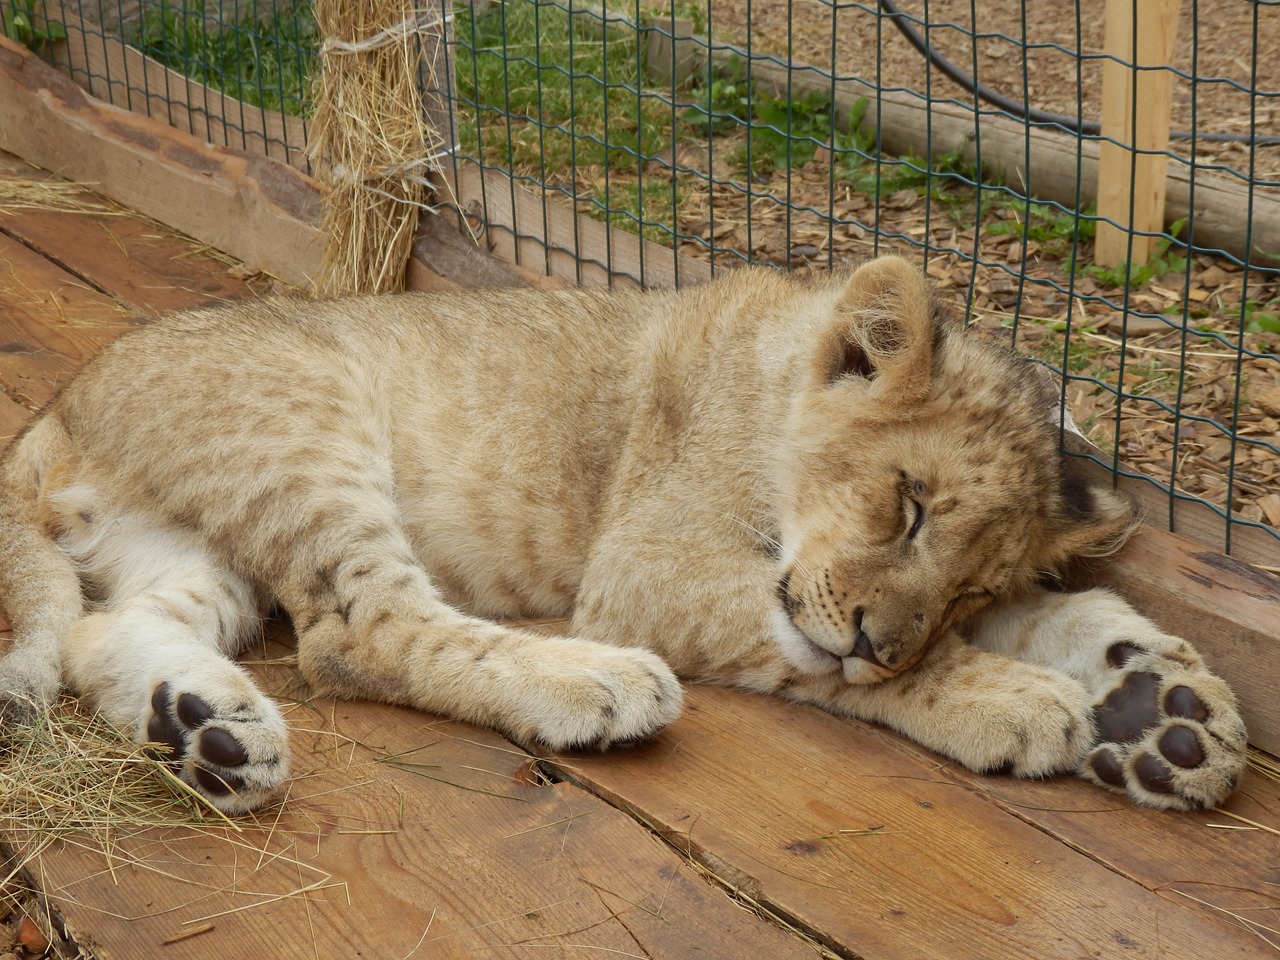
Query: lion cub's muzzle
(835, 632)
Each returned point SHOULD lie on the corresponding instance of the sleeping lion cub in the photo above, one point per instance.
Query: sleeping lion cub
(817, 488)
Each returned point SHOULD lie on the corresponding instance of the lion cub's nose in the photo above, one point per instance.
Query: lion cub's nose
(865, 651)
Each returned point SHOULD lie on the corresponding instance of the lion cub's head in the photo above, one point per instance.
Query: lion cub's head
(923, 480)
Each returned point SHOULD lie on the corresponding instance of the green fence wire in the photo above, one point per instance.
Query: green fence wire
(962, 132)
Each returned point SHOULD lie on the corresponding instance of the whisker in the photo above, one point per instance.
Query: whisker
(772, 541)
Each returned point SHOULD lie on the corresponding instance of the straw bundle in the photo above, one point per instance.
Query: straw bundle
(370, 140)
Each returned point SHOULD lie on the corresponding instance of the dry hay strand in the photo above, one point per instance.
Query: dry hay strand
(65, 775)
(370, 141)
(21, 193)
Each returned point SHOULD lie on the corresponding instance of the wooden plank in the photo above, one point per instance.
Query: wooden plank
(256, 209)
(1211, 862)
(547, 237)
(1137, 103)
(51, 324)
(121, 75)
(143, 264)
(885, 852)
(415, 835)
(1228, 609)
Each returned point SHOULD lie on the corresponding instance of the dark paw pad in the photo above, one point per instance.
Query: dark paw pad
(1107, 767)
(218, 785)
(1180, 745)
(1153, 774)
(222, 748)
(192, 711)
(1183, 702)
(1118, 654)
(182, 725)
(163, 728)
(1129, 710)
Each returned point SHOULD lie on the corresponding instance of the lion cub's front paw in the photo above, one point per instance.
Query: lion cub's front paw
(1034, 725)
(234, 754)
(1169, 733)
(596, 697)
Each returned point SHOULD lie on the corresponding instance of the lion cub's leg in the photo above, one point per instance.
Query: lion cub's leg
(989, 712)
(371, 625)
(1168, 732)
(156, 659)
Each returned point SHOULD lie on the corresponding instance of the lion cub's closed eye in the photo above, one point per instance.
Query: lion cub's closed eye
(805, 487)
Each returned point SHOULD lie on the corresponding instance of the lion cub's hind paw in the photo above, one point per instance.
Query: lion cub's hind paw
(1169, 733)
(235, 758)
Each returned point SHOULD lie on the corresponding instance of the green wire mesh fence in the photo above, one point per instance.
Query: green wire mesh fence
(708, 134)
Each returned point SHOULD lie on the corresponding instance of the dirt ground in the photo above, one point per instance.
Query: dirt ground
(1232, 47)
(1194, 405)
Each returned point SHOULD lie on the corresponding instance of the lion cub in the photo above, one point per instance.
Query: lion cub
(818, 488)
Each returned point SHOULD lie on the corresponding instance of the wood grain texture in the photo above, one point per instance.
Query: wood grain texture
(51, 324)
(13, 420)
(889, 853)
(145, 265)
(254, 208)
(404, 833)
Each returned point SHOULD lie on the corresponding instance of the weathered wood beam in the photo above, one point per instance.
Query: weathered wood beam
(253, 208)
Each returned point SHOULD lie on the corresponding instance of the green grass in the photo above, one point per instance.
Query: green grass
(1058, 232)
(20, 22)
(1140, 274)
(262, 60)
(560, 96)
(778, 132)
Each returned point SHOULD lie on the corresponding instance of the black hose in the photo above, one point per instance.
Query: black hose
(1088, 128)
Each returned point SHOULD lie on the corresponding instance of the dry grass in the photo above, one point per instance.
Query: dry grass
(20, 193)
(66, 776)
(73, 784)
(370, 141)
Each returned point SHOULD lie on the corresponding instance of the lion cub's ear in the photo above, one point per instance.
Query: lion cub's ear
(882, 330)
(1088, 518)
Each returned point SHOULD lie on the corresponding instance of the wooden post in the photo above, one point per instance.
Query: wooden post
(667, 67)
(1136, 105)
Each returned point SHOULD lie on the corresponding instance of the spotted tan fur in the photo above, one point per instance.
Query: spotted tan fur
(817, 488)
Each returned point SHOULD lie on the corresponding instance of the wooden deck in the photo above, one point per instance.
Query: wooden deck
(746, 821)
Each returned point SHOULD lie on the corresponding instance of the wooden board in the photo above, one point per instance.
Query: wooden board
(888, 853)
(256, 209)
(51, 324)
(405, 835)
(146, 266)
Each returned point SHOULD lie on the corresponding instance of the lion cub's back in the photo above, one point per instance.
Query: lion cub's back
(496, 415)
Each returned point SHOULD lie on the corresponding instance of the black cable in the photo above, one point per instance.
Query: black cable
(1088, 128)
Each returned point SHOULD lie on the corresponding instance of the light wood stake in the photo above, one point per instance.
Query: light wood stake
(1135, 113)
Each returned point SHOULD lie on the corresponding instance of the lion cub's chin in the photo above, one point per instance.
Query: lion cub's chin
(810, 659)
